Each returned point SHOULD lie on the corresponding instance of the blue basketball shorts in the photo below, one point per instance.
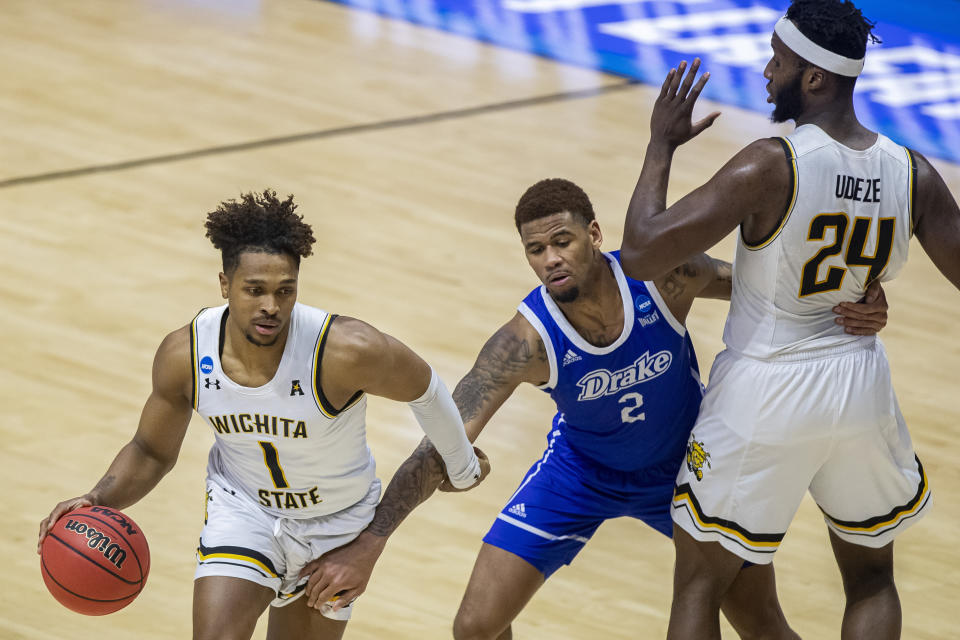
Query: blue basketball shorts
(565, 497)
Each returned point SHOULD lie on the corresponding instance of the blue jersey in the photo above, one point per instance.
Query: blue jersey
(629, 405)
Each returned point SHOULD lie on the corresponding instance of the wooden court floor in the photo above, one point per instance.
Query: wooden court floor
(122, 124)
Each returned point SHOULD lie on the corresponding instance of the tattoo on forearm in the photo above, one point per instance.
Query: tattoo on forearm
(415, 481)
(724, 271)
(105, 483)
(677, 280)
(504, 355)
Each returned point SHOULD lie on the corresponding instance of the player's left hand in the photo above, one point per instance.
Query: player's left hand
(342, 573)
(672, 119)
(866, 317)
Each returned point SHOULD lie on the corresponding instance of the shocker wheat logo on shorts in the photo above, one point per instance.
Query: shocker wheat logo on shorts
(696, 458)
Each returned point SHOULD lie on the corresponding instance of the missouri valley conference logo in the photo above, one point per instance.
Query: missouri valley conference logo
(601, 382)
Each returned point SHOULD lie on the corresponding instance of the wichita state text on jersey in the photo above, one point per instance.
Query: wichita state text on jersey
(282, 444)
(848, 223)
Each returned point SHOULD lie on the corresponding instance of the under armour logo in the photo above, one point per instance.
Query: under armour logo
(295, 389)
(215, 384)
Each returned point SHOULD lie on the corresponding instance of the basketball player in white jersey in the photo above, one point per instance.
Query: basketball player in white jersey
(793, 403)
(284, 387)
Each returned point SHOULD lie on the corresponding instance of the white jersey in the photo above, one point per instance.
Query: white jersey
(848, 223)
(282, 444)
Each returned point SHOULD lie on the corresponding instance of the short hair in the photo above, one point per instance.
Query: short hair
(552, 196)
(261, 223)
(836, 25)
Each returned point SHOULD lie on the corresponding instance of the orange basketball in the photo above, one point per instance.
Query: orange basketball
(95, 560)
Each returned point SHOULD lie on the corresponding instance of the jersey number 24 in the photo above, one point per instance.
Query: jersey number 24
(855, 256)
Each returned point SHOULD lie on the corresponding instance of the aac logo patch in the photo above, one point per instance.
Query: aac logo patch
(206, 364)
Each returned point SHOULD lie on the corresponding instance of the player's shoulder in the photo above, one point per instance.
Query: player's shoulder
(351, 341)
(762, 162)
(173, 363)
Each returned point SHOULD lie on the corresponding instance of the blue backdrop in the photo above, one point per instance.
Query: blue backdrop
(909, 90)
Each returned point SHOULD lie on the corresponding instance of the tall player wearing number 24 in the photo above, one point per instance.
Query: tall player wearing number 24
(794, 404)
(284, 387)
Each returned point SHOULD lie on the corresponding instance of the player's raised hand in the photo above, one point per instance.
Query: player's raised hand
(58, 512)
(672, 119)
(866, 317)
(484, 472)
(342, 574)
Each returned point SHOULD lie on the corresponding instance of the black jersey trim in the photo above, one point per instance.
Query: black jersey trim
(194, 361)
(325, 406)
(912, 187)
(794, 181)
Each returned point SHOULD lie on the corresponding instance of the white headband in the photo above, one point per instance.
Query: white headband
(814, 53)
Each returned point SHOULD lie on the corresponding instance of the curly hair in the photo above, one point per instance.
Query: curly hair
(836, 25)
(550, 196)
(259, 222)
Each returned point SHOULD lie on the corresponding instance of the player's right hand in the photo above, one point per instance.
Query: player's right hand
(671, 121)
(58, 512)
(484, 472)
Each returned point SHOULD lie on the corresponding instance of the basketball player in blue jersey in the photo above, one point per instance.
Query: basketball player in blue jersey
(794, 404)
(613, 352)
(284, 387)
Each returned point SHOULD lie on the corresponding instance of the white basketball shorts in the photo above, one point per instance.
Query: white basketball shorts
(768, 431)
(240, 540)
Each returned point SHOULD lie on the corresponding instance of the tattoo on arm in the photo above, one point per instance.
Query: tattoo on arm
(724, 272)
(677, 280)
(501, 359)
(415, 481)
(103, 486)
(504, 355)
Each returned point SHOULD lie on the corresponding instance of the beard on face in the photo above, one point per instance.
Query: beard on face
(788, 102)
(250, 338)
(569, 295)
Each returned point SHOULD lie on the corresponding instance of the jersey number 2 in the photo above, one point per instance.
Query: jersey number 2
(273, 464)
(631, 412)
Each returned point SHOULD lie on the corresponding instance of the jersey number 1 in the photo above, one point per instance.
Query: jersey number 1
(855, 257)
(273, 464)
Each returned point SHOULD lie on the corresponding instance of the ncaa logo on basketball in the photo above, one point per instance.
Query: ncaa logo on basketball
(116, 517)
(206, 364)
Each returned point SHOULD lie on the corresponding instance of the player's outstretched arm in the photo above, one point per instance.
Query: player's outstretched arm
(657, 239)
(514, 354)
(936, 219)
(153, 451)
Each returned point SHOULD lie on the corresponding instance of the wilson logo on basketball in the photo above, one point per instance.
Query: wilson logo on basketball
(118, 518)
(99, 541)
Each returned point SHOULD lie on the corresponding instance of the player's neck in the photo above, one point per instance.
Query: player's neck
(838, 119)
(249, 364)
(597, 314)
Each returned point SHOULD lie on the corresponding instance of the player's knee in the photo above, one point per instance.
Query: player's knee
(867, 581)
(474, 625)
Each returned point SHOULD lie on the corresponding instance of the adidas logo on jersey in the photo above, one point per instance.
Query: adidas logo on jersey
(570, 357)
(518, 509)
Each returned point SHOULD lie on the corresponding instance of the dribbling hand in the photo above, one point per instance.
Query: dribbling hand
(58, 512)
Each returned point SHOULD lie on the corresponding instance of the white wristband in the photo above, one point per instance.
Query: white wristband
(440, 420)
